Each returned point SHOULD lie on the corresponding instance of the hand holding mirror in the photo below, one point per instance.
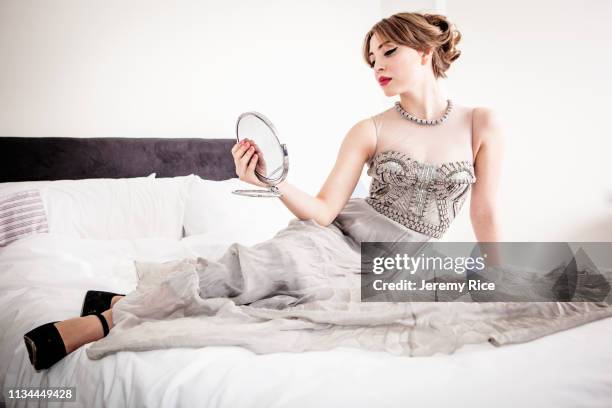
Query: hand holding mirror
(273, 162)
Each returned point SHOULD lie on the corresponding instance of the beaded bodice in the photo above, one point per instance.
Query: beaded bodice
(423, 197)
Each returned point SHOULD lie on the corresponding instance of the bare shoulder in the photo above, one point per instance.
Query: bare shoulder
(487, 127)
(485, 120)
(362, 136)
(364, 129)
(487, 132)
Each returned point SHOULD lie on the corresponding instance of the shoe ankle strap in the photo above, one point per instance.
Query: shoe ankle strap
(104, 323)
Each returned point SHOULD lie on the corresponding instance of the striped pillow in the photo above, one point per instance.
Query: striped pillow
(21, 214)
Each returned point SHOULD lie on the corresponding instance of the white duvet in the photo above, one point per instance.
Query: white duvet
(44, 278)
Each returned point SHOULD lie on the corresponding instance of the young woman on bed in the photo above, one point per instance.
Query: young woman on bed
(424, 139)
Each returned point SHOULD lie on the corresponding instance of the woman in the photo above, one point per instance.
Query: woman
(423, 154)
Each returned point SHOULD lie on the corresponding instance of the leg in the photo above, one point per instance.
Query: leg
(114, 300)
(82, 330)
(298, 261)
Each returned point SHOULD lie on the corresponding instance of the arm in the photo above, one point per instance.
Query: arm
(484, 209)
(356, 148)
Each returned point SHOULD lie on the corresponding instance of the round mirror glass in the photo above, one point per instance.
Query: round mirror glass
(258, 130)
(272, 164)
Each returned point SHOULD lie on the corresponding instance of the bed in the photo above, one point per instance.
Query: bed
(43, 277)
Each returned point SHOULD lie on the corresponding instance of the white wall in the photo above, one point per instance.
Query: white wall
(543, 66)
(187, 69)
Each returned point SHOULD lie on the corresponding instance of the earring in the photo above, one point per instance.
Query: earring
(423, 59)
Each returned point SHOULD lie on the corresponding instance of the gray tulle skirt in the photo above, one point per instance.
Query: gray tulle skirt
(300, 290)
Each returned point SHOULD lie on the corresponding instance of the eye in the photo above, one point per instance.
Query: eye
(390, 51)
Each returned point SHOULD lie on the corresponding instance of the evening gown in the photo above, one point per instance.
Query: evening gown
(421, 176)
(300, 289)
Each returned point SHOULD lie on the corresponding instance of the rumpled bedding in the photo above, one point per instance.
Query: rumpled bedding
(300, 290)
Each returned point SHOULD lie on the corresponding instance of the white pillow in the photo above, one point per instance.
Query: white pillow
(17, 186)
(128, 208)
(22, 213)
(20, 186)
(13, 221)
(213, 210)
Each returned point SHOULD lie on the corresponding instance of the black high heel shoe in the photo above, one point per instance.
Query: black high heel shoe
(45, 345)
(97, 301)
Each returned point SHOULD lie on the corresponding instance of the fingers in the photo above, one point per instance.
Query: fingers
(257, 149)
(238, 150)
(244, 141)
(243, 144)
(250, 142)
(244, 160)
(246, 155)
(253, 163)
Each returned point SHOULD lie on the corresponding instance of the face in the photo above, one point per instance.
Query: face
(404, 65)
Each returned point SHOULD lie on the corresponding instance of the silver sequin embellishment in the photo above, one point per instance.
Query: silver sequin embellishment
(423, 197)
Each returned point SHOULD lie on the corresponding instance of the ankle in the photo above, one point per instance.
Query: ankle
(108, 315)
(96, 330)
(115, 299)
(63, 335)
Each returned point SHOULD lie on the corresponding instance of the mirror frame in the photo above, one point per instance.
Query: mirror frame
(283, 148)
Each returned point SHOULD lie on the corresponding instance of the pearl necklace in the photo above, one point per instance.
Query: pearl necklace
(420, 121)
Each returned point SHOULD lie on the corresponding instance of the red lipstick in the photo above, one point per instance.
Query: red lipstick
(384, 80)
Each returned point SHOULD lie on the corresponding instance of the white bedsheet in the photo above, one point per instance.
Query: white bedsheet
(44, 278)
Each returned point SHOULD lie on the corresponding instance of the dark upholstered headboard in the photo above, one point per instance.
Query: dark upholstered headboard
(57, 158)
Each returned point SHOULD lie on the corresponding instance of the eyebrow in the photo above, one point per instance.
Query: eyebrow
(379, 47)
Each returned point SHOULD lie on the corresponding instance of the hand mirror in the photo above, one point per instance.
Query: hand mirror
(273, 162)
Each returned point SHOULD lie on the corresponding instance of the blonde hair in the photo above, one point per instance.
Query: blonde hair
(420, 32)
